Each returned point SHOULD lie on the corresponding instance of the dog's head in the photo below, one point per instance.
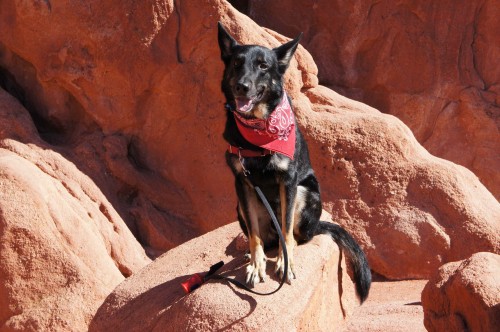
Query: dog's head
(253, 75)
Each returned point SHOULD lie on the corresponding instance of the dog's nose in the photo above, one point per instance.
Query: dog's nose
(242, 87)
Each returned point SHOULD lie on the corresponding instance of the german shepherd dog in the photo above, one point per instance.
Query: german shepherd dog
(266, 149)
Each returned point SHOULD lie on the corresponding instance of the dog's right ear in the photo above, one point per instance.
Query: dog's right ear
(226, 43)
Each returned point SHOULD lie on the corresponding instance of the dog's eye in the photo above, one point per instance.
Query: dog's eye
(263, 66)
(237, 63)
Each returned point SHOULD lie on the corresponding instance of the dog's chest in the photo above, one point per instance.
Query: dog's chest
(267, 165)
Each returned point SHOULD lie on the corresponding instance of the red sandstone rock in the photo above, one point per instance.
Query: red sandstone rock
(153, 299)
(137, 87)
(132, 93)
(464, 295)
(63, 246)
(434, 65)
(393, 306)
(384, 187)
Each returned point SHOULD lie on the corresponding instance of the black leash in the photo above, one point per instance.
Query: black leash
(196, 280)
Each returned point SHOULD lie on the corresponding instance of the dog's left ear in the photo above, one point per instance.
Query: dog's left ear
(285, 52)
(226, 43)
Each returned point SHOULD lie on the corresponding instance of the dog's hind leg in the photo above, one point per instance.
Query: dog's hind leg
(288, 195)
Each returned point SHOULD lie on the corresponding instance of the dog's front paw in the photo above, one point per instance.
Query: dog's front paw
(280, 268)
(256, 270)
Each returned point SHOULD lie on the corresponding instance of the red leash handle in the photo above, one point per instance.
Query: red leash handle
(192, 283)
(196, 280)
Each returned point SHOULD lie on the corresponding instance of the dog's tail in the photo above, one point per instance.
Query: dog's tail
(362, 274)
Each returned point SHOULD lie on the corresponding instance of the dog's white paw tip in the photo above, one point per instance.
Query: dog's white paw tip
(255, 273)
(280, 271)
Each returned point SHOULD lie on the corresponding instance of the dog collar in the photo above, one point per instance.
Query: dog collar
(249, 153)
(276, 133)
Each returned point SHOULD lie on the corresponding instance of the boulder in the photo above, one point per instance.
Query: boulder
(431, 64)
(135, 91)
(393, 306)
(464, 295)
(63, 246)
(411, 211)
(320, 299)
(132, 93)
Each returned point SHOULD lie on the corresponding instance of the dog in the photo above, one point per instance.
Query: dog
(266, 149)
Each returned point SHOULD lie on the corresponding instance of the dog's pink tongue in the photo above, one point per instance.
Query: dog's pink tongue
(244, 105)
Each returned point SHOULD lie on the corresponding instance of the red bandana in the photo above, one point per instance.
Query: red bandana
(277, 133)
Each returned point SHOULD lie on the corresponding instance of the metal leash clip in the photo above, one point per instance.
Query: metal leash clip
(240, 158)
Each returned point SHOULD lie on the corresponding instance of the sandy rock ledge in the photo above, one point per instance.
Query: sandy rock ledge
(152, 300)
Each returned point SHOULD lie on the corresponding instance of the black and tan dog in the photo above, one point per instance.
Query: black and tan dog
(266, 149)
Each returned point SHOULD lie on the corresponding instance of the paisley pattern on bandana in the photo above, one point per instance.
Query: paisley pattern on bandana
(276, 133)
(281, 121)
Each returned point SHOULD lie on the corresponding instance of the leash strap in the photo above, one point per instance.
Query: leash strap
(212, 275)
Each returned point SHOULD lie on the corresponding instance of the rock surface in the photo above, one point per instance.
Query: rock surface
(464, 295)
(128, 89)
(120, 91)
(393, 306)
(63, 246)
(410, 210)
(431, 64)
(153, 300)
